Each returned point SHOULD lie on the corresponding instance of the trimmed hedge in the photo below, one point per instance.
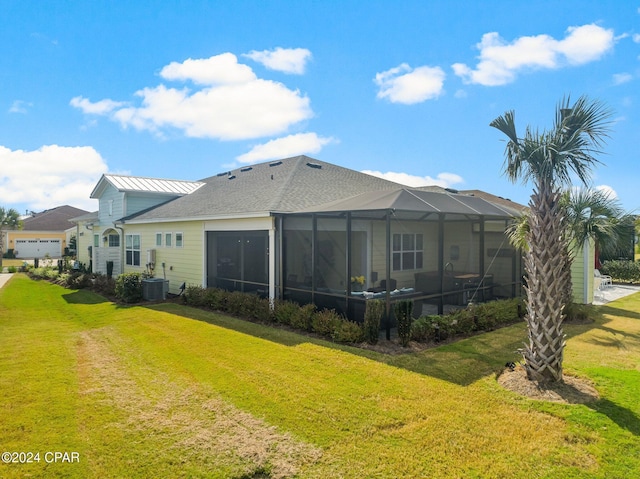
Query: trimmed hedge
(325, 322)
(462, 322)
(622, 270)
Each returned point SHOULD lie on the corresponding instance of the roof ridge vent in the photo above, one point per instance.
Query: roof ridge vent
(275, 163)
(246, 168)
(231, 177)
(224, 173)
(451, 190)
(314, 165)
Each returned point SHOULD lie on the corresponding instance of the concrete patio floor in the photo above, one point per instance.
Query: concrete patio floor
(616, 291)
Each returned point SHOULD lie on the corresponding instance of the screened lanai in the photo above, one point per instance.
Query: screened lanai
(441, 250)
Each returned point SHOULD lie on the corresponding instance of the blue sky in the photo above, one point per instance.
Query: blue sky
(404, 89)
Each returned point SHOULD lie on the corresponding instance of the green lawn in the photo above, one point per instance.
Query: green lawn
(170, 391)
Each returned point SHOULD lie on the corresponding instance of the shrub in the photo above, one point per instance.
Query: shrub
(78, 281)
(129, 287)
(348, 332)
(403, 310)
(12, 269)
(284, 311)
(102, 284)
(431, 328)
(325, 322)
(302, 318)
(462, 321)
(372, 316)
(194, 296)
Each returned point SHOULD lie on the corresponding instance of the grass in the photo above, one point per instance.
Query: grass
(171, 391)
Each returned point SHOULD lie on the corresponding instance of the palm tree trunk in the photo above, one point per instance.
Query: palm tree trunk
(545, 285)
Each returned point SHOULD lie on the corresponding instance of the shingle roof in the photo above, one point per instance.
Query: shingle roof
(286, 185)
(146, 185)
(54, 219)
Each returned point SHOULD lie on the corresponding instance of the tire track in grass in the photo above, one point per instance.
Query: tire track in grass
(202, 427)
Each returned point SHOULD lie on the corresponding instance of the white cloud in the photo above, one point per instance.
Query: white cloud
(50, 176)
(620, 78)
(608, 191)
(287, 60)
(292, 145)
(636, 37)
(101, 107)
(234, 104)
(20, 106)
(445, 180)
(221, 69)
(403, 84)
(500, 62)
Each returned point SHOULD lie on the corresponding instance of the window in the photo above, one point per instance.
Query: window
(178, 240)
(132, 250)
(158, 239)
(407, 251)
(167, 240)
(96, 241)
(114, 241)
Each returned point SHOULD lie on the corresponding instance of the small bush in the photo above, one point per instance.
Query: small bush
(102, 284)
(12, 269)
(284, 311)
(403, 310)
(129, 287)
(348, 332)
(372, 316)
(462, 321)
(302, 318)
(325, 322)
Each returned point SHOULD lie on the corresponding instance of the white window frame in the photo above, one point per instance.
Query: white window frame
(415, 252)
(168, 244)
(132, 249)
(179, 233)
(159, 236)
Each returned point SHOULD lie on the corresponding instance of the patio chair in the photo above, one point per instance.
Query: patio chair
(605, 280)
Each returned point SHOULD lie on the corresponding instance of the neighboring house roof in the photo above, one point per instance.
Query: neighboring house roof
(497, 200)
(93, 216)
(54, 219)
(145, 185)
(419, 201)
(285, 186)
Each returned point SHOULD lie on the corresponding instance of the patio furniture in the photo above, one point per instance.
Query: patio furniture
(605, 280)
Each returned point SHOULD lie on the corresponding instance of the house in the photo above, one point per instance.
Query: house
(303, 229)
(44, 234)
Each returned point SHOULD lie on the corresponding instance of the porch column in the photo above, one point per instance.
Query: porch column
(272, 262)
(388, 275)
(441, 262)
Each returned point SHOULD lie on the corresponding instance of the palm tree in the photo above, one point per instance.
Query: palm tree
(594, 214)
(549, 159)
(9, 220)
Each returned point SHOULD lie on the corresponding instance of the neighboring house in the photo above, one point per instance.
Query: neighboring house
(302, 229)
(119, 197)
(44, 234)
(83, 232)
